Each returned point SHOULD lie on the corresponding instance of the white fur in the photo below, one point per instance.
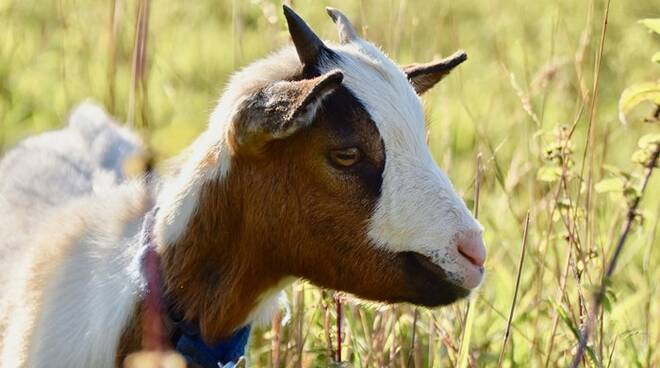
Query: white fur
(268, 303)
(69, 251)
(105, 281)
(178, 198)
(45, 171)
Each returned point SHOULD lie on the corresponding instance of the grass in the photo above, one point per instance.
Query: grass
(507, 332)
(537, 99)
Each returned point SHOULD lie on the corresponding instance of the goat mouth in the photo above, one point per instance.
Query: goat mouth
(473, 272)
(431, 266)
(431, 283)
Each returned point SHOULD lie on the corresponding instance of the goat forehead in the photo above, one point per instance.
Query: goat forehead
(384, 90)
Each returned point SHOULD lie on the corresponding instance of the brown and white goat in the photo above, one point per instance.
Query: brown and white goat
(314, 165)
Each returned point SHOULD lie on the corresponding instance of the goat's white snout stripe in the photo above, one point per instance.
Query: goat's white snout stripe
(419, 211)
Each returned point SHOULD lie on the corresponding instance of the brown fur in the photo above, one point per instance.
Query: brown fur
(283, 213)
(286, 212)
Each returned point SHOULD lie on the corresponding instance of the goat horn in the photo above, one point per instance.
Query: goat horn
(344, 27)
(308, 45)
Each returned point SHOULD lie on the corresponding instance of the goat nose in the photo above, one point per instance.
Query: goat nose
(471, 246)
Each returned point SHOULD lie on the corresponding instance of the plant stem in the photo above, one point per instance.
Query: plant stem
(600, 294)
(339, 320)
(138, 93)
(115, 16)
(464, 349)
(413, 338)
(515, 293)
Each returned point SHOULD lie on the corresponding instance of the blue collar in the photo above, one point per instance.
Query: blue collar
(195, 350)
(183, 335)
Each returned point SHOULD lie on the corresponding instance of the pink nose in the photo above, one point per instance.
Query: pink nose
(471, 246)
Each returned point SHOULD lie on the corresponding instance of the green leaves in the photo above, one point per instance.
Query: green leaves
(652, 24)
(642, 92)
(549, 174)
(575, 330)
(558, 156)
(637, 94)
(610, 185)
(620, 186)
(656, 57)
(609, 296)
(647, 145)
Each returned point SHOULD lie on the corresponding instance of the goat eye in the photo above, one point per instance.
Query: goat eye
(345, 157)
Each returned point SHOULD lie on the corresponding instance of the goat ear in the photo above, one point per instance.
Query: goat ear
(347, 33)
(279, 110)
(424, 76)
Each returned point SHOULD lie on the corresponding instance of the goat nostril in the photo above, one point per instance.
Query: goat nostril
(473, 249)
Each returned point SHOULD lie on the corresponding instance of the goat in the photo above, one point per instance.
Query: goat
(314, 165)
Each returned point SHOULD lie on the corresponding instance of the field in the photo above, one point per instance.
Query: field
(529, 125)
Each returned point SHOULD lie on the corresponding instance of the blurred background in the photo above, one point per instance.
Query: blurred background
(550, 141)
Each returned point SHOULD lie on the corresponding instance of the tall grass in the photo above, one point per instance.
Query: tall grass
(507, 332)
(538, 97)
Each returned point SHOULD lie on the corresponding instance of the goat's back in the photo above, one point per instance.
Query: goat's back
(44, 172)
